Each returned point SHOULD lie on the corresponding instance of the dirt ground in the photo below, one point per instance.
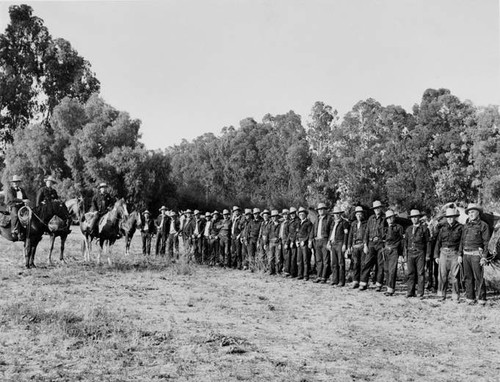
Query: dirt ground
(143, 319)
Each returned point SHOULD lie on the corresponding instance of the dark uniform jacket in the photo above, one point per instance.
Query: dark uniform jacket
(224, 228)
(148, 226)
(293, 228)
(475, 235)
(341, 234)
(198, 226)
(285, 231)
(215, 227)
(374, 230)
(449, 236)
(162, 229)
(417, 240)
(274, 233)
(356, 234)
(326, 227)
(102, 203)
(305, 231)
(11, 198)
(46, 194)
(264, 231)
(237, 226)
(252, 230)
(393, 236)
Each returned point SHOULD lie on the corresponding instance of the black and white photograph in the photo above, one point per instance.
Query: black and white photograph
(250, 190)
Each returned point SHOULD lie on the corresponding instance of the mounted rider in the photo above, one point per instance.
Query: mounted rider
(49, 204)
(102, 203)
(15, 199)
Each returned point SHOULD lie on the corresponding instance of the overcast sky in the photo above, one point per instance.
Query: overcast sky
(189, 67)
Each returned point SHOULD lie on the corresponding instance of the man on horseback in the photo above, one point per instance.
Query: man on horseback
(102, 203)
(49, 204)
(15, 199)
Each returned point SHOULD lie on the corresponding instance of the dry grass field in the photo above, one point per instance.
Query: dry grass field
(147, 320)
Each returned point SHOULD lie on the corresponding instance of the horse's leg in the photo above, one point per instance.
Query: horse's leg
(52, 241)
(101, 243)
(27, 245)
(108, 253)
(63, 242)
(32, 254)
(127, 244)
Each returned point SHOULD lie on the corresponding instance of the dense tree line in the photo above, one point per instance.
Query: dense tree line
(52, 121)
(445, 150)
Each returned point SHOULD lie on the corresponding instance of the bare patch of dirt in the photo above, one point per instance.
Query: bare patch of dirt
(148, 319)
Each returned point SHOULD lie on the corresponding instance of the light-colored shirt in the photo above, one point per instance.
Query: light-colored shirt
(320, 226)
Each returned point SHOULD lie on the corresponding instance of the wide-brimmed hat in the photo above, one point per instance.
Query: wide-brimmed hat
(256, 210)
(102, 185)
(236, 208)
(293, 210)
(196, 212)
(473, 206)
(163, 208)
(389, 213)
(226, 212)
(188, 211)
(215, 213)
(16, 178)
(208, 214)
(358, 209)
(266, 211)
(451, 213)
(248, 211)
(50, 178)
(415, 214)
(321, 206)
(302, 209)
(146, 212)
(275, 213)
(337, 210)
(285, 212)
(377, 204)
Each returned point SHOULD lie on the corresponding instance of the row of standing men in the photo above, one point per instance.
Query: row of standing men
(286, 243)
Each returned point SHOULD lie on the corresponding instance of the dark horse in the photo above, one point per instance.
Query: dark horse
(57, 218)
(128, 226)
(34, 228)
(108, 229)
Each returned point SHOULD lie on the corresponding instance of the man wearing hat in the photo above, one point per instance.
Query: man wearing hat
(355, 244)
(162, 224)
(263, 239)
(473, 252)
(148, 229)
(213, 239)
(321, 232)
(393, 235)
(102, 203)
(15, 199)
(225, 227)
(285, 244)
(293, 228)
(237, 225)
(273, 244)
(446, 255)
(304, 239)
(206, 249)
(373, 247)
(187, 229)
(416, 250)
(195, 230)
(48, 203)
(244, 244)
(251, 236)
(337, 244)
(173, 230)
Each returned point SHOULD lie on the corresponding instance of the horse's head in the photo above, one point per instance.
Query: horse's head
(120, 209)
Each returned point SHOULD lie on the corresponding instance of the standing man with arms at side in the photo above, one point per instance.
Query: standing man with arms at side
(285, 244)
(293, 228)
(355, 245)
(473, 253)
(416, 250)
(321, 231)
(393, 236)
(446, 255)
(252, 231)
(174, 229)
(338, 246)
(237, 226)
(304, 244)
(162, 224)
(373, 247)
(147, 231)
